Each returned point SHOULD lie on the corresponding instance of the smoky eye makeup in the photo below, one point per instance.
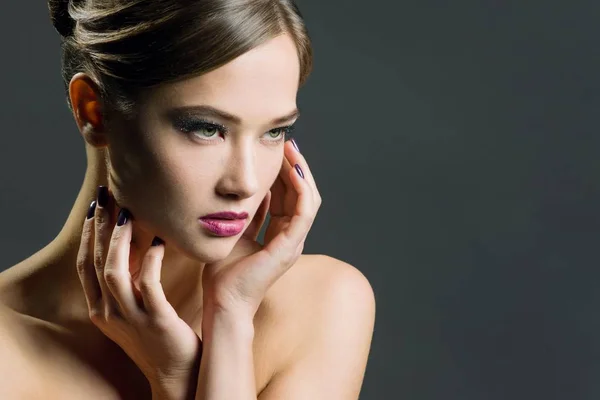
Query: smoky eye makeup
(188, 123)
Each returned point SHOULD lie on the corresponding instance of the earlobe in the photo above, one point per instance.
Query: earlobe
(85, 101)
(92, 136)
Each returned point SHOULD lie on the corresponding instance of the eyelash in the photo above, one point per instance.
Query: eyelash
(189, 127)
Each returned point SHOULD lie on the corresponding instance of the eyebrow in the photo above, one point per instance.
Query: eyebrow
(215, 112)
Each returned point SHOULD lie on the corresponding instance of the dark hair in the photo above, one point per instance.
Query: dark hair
(127, 46)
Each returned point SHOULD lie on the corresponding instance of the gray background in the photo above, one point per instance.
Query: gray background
(455, 149)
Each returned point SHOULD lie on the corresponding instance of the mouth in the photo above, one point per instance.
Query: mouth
(223, 227)
(226, 215)
(224, 223)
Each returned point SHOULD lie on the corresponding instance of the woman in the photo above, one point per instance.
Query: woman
(156, 286)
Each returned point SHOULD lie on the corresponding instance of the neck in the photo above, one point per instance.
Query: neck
(55, 265)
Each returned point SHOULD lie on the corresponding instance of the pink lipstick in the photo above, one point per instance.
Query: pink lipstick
(226, 223)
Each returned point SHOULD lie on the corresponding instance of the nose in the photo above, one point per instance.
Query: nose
(239, 179)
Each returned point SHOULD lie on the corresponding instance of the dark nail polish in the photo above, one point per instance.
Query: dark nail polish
(102, 196)
(123, 217)
(299, 170)
(157, 241)
(91, 210)
(295, 145)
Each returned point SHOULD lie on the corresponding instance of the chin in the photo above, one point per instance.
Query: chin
(209, 249)
(219, 250)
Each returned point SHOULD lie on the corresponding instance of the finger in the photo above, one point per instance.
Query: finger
(253, 229)
(285, 245)
(103, 232)
(286, 166)
(295, 157)
(305, 211)
(282, 189)
(135, 267)
(116, 271)
(153, 295)
(85, 262)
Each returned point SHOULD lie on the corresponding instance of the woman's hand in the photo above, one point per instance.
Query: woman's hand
(127, 303)
(239, 286)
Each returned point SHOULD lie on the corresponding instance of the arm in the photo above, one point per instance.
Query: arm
(227, 366)
(234, 289)
(331, 360)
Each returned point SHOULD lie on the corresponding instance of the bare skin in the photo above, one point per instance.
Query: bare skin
(309, 318)
(61, 352)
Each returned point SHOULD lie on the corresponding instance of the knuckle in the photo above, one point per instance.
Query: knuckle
(151, 256)
(288, 257)
(102, 226)
(112, 317)
(100, 218)
(151, 259)
(98, 259)
(81, 263)
(113, 278)
(96, 316)
(147, 286)
(309, 218)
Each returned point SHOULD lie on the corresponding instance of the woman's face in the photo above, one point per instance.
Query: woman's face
(181, 160)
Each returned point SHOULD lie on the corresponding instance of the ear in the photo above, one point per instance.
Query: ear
(86, 104)
(259, 218)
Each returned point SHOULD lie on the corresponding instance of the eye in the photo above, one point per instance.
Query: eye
(280, 133)
(199, 128)
(206, 130)
(211, 130)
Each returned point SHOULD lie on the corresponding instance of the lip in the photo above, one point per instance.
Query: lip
(226, 215)
(224, 223)
(223, 227)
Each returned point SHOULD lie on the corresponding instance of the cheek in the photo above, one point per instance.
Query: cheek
(131, 165)
(186, 175)
(183, 179)
(142, 170)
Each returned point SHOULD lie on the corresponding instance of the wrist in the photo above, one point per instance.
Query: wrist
(171, 391)
(215, 307)
(182, 387)
(234, 321)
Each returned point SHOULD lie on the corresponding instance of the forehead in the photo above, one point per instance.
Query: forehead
(260, 84)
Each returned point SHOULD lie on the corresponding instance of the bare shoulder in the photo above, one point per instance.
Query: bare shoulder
(324, 281)
(16, 345)
(16, 353)
(325, 309)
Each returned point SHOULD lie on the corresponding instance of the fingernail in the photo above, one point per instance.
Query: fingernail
(156, 241)
(123, 217)
(299, 170)
(295, 145)
(102, 196)
(91, 210)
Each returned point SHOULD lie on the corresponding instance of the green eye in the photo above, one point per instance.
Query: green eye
(211, 130)
(276, 133)
(280, 133)
(199, 128)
